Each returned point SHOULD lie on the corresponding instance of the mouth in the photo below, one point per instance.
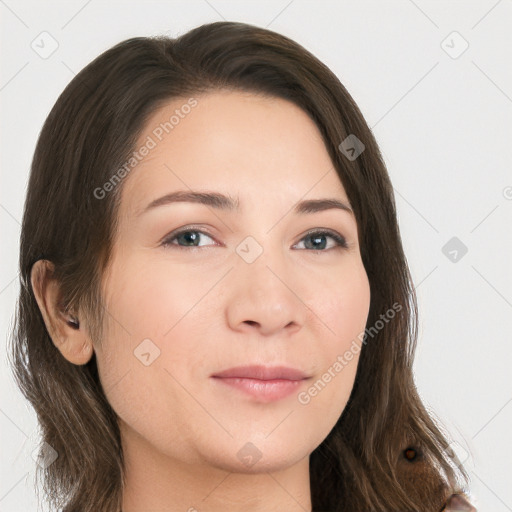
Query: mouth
(263, 383)
(263, 373)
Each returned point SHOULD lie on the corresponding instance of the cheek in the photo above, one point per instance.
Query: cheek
(343, 304)
(148, 298)
(343, 308)
(152, 317)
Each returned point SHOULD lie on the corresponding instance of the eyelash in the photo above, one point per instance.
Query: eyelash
(341, 242)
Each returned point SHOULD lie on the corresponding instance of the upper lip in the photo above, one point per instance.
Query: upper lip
(263, 373)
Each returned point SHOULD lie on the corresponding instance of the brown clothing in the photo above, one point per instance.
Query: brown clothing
(458, 503)
(426, 486)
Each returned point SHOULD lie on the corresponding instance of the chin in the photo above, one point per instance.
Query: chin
(251, 460)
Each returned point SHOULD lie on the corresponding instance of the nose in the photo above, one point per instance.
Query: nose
(264, 299)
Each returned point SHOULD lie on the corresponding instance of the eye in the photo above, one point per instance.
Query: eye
(189, 237)
(317, 240)
(314, 240)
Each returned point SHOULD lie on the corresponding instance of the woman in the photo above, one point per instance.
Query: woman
(216, 312)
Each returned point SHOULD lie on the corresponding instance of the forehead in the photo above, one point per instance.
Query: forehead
(244, 145)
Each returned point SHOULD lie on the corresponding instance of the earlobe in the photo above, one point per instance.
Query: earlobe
(64, 328)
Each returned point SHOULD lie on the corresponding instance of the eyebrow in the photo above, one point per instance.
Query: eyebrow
(227, 203)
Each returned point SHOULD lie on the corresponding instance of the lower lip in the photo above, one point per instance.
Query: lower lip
(263, 390)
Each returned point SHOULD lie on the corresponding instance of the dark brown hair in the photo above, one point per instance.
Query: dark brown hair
(90, 132)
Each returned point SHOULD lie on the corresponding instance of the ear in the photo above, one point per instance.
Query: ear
(64, 328)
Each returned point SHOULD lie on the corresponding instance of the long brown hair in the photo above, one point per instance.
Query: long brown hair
(88, 136)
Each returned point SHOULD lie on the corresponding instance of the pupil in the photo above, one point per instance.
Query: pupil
(316, 238)
(190, 237)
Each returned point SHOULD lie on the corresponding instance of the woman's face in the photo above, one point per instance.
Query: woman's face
(244, 285)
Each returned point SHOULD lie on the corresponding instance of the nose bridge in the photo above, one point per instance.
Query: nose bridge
(262, 288)
(262, 259)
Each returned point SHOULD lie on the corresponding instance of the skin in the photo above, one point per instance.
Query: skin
(207, 309)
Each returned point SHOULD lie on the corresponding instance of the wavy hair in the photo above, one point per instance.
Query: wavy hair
(369, 460)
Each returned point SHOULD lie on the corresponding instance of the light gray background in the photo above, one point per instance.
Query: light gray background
(443, 125)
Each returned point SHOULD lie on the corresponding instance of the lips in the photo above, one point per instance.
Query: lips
(263, 373)
(262, 384)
